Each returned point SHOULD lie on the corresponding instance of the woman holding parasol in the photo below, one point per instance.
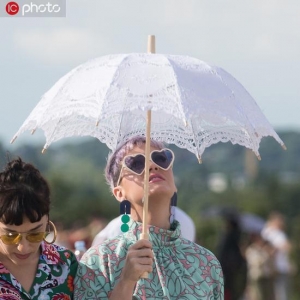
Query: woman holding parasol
(178, 268)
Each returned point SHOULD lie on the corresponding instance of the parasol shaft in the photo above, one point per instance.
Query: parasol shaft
(150, 49)
(145, 234)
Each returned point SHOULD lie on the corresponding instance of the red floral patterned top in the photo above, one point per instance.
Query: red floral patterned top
(54, 277)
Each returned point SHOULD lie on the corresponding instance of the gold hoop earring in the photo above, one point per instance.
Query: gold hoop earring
(49, 231)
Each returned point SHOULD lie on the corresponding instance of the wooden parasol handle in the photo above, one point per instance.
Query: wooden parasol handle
(145, 234)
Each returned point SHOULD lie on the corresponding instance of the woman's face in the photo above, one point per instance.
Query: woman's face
(24, 252)
(161, 182)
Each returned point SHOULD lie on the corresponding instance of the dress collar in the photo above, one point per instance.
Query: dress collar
(158, 236)
(50, 254)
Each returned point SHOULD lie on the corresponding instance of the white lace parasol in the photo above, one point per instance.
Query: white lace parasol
(193, 104)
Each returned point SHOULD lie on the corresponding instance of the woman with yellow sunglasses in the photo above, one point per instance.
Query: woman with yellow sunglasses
(31, 266)
(178, 268)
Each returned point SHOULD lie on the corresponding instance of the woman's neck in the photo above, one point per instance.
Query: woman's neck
(163, 223)
(158, 215)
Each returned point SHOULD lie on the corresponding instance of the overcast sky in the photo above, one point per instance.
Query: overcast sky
(257, 41)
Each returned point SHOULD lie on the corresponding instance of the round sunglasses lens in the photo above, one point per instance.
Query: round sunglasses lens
(10, 239)
(35, 237)
(135, 163)
(162, 158)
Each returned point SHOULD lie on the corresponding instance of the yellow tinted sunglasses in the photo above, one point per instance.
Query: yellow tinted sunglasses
(14, 238)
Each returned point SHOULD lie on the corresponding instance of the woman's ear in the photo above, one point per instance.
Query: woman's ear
(119, 193)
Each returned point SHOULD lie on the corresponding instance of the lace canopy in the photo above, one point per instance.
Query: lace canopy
(193, 104)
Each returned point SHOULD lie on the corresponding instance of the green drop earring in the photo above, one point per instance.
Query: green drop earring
(125, 212)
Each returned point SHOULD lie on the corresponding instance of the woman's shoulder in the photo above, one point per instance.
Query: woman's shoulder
(114, 244)
(113, 247)
(189, 246)
(53, 253)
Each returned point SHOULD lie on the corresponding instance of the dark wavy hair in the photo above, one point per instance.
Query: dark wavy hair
(23, 193)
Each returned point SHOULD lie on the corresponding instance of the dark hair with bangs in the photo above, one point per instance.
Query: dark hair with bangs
(23, 192)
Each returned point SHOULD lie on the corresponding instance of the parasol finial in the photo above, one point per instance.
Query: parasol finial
(199, 159)
(45, 148)
(151, 44)
(13, 139)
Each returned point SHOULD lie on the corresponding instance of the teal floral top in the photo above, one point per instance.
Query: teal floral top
(182, 269)
(54, 278)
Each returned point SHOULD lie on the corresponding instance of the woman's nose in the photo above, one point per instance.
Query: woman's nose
(23, 245)
(152, 166)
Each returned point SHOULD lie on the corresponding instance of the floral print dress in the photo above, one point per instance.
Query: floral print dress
(53, 281)
(182, 270)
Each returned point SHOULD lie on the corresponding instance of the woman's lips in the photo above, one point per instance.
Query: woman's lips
(22, 256)
(155, 178)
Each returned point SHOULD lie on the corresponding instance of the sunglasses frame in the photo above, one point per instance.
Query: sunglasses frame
(19, 235)
(123, 165)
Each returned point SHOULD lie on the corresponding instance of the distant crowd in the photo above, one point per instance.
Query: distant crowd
(262, 268)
